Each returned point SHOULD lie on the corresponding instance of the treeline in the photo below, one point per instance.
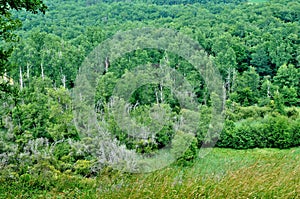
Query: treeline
(175, 2)
(265, 37)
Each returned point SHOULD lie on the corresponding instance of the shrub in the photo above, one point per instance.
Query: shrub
(272, 131)
(83, 167)
(184, 148)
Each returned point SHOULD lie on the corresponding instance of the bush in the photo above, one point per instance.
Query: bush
(83, 167)
(292, 112)
(236, 112)
(272, 131)
(184, 148)
(295, 128)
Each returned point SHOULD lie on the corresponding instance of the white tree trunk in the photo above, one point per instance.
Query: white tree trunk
(21, 79)
(28, 68)
(42, 69)
(106, 64)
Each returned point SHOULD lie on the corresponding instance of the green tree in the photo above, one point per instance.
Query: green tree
(60, 122)
(287, 75)
(246, 89)
(8, 24)
(287, 80)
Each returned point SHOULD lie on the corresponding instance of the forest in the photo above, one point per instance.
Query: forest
(143, 139)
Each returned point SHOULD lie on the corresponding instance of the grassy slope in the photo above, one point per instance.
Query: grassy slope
(224, 173)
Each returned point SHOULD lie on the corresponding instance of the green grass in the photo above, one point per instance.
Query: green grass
(257, 1)
(224, 173)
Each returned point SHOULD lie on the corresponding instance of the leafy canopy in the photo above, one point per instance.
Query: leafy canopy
(9, 24)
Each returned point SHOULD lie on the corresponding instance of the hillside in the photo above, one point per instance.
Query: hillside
(111, 95)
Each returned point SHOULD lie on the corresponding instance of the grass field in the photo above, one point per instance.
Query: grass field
(224, 173)
(257, 1)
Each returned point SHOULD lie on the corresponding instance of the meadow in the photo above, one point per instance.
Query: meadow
(223, 173)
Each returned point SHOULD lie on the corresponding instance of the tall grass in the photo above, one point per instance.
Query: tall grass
(224, 173)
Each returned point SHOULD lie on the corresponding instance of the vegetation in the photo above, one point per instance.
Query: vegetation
(46, 150)
(225, 173)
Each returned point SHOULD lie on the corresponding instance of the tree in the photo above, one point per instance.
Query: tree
(246, 91)
(287, 79)
(287, 75)
(261, 60)
(9, 24)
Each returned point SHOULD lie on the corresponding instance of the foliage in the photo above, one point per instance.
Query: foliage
(254, 46)
(9, 24)
(272, 131)
(184, 147)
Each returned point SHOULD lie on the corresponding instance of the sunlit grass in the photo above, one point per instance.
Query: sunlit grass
(261, 173)
(223, 173)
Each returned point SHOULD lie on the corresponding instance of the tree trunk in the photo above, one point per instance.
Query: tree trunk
(42, 69)
(224, 98)
(106, 64)
(21, 79)
(161, 93)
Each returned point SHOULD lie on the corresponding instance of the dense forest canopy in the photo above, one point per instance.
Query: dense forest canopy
(254, 46)
(250, 31)
(8, 25)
